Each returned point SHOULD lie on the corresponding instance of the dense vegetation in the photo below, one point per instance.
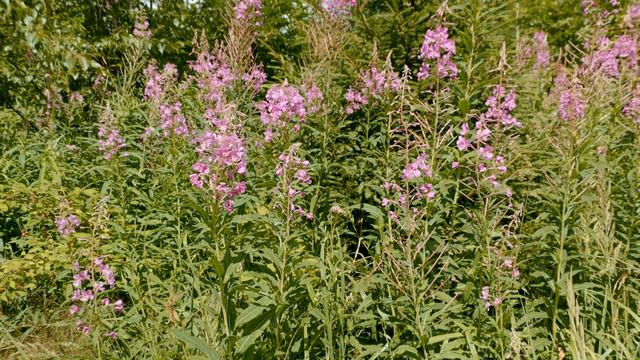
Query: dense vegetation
(382, 179)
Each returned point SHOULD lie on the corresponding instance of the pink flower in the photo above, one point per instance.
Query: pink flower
(375, 82)
(223, 157)
(632, 108)
(118, 305)
(314, 98)
(141, 29)
(76, 97)
(292, 173)
(173, 120)
(500, 107)
(67, 225)
(79, 278)
(485, 152)
(248, 12)
(355, 99)
(416, 169)
(543, 55)
(83, 327)
(633, 15)
(110, 141)
(74, 309)
(463, 143)
(437, 47)
(604, 58)
(484, 296)
(255, 78)
(572, 106)
(112, 334)
(338, 7)
(86, 295)
(283, 105)
(515, 273)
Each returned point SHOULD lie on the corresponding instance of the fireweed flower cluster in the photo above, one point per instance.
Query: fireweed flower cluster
(498, 115)
(213, 76)
(172, 119)
(571, 102)
(489, 300)
(248, 11)
(632, 108)
(76, 97)
(415, 187)
(439, 49)
(67, 225)
(373, 82)
(338, 8)
(632, 18)
(313, 96)
(541, 47)
(571, 105)
(223, 157)
(141, 29)
(285, 105)
(590, 6)
(293, 174)
(110, 142)
(608, 55)
(254, 78)
(485, 294)
(158, 82)
(90, 285)
(157, 91)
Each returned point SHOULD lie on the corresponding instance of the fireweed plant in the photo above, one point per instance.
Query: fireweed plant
(320, 180)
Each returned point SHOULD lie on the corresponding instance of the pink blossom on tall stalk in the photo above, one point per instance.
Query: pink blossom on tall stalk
(633, 15)
(417, 186)
(313, 97)
(338, 7)
(213, 76)
(293, 174)
(499, 108)
(141, 29)
(254, 78)
(67, 225)
(157, 83)
(248, 11)
(604, 58)
(572, 105)
(110, 142)
(543, 56)
(76, 97)
(438, 48)
(632, 108)
(587, 6)
(283, 105)
(223, 157)
(89, 291)
(417, 168)
(355, 100)
(373, 82)
(173, 120)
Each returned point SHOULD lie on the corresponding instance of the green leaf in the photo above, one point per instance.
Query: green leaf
(196, 343)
